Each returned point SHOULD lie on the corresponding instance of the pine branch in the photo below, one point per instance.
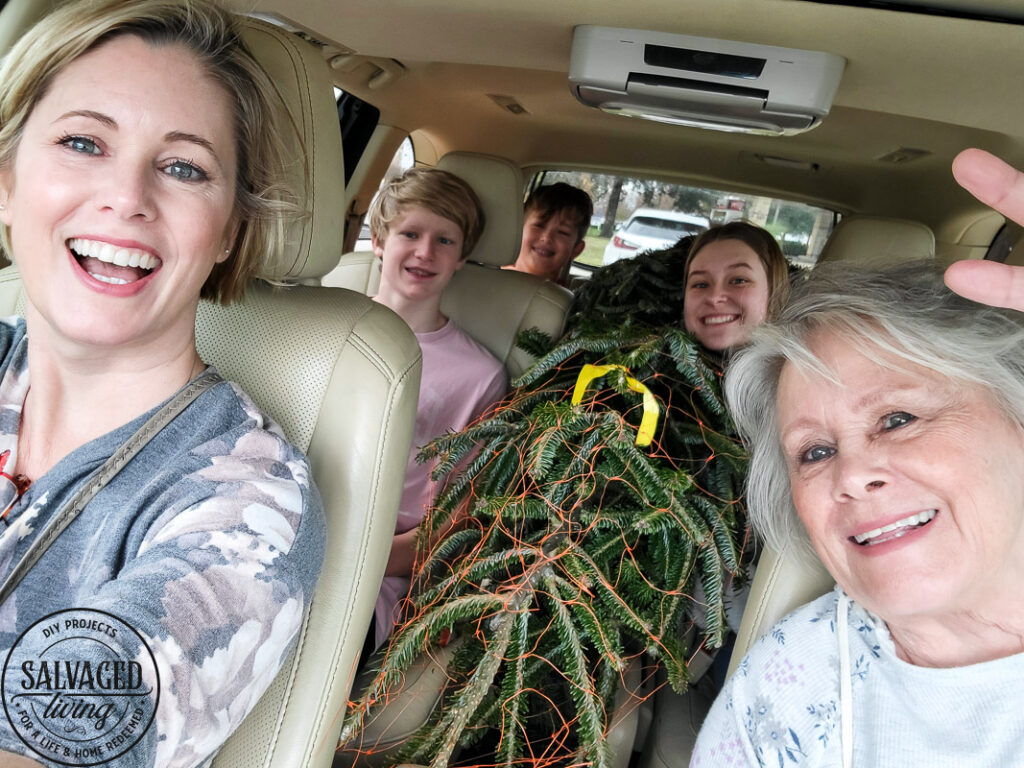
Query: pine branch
(589, 709)
(459, 712)
(581, 607)
(513, 691)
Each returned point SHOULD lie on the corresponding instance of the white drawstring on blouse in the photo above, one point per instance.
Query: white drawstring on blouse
(845, 692)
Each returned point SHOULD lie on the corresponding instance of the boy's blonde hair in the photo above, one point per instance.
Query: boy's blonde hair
(440, 192)
(263, 202)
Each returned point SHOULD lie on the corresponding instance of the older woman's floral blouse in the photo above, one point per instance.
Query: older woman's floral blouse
(782, 706)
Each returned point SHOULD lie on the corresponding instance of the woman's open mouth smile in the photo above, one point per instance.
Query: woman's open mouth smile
(112, 264)
(894, 530)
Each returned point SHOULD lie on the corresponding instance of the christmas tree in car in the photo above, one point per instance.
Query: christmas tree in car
(603, 494)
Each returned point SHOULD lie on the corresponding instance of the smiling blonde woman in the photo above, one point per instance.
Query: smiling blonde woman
(137, 174)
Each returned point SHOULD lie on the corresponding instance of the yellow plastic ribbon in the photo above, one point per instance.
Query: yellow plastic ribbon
(648, 422)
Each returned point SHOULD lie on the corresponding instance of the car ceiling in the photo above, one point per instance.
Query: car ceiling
(928, 82)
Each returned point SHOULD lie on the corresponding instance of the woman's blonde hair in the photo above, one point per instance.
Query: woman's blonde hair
(212, 34)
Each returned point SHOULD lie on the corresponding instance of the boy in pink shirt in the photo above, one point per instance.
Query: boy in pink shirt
(423, 225)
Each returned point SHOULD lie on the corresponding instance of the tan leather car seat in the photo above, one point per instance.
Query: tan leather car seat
(878, 241)
(490, 304)
(783, 582)
(341, 375)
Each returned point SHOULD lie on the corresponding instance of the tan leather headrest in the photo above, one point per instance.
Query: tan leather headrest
(878, 241)
(304, 82)
(499, 185)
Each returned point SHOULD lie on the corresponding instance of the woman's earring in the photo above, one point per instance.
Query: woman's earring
(227, 251)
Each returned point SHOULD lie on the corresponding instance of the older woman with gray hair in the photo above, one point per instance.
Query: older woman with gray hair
(885, 416)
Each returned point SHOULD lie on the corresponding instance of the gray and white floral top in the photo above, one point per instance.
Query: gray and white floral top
(208, 545)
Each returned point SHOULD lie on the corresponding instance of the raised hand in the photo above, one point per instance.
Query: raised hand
(1000, 186)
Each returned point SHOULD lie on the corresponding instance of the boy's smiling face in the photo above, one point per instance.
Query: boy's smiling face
(548, 244)
(419, 255)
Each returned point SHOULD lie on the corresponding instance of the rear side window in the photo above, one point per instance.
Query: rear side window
(801, 230)
(403, 160)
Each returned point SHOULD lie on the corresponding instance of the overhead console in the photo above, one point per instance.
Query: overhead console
(702, 82)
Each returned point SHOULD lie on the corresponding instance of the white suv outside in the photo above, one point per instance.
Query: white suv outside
(651, 229)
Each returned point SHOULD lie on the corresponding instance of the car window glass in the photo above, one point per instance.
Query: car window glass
(800, 229)
(357, 119)
(1003, 243)
(404, 159)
